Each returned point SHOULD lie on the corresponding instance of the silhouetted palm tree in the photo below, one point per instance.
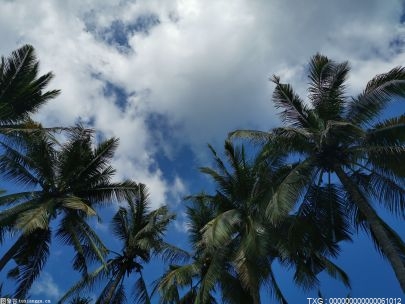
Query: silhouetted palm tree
(65, 182)
(235, 245)
(141, 232)
(21, 89)
(339, 137)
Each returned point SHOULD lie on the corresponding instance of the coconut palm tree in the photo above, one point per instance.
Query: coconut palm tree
(64, 183)
(344, 139)
(235, 245)
(141, 232)
(187, 283)
(21, 89)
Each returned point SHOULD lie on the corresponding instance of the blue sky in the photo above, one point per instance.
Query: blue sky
(168, 77)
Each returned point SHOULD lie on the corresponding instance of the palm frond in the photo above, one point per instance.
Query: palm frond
(76, 232)
(21, 90)
(289, 190)
(327, 89)
(87, 282)
(76, 203)
(295, 113)
(388, 132)
(15, 198)
(220, 231)
(36, 218)
(259, 137)
(30, 258)
(379, 92)
(141, 292)
(110, 192)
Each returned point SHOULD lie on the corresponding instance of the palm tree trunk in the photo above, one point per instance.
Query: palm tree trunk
(11, 252)
(376, 227)
(113, 287)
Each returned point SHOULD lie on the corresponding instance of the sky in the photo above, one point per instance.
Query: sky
(168, 77)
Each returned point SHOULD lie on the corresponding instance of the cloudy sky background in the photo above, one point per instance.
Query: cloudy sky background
(168, 77)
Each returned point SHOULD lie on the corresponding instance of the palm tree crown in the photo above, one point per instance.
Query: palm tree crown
(141, 232)
(65, 182)
(339, 137)
(235, 245)
(21, 89)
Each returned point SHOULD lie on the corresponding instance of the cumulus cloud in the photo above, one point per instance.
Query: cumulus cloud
(46, 287)
(201, 65)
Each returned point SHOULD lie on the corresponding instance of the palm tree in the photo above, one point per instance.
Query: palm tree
(65, 182)
(234, 243)
(336, 137)
(141, 232)
(21, 89)
(187, 283)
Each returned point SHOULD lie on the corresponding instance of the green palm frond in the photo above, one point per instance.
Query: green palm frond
(379, 91)
(91, 165)
(32, 253)
(232, 290)
(220, 231)
(76, 203)
(141, 292)
(111, 192)
(289, 190)
(386, 158)
(294, 111)
(172, 253)
(275, 289)
(389, 192)
(15, 198)
(388, 132)
(120, 224)
(198, 214)
(21, 90)
(90, 279)
(335, 271)
(17, 167)
(326, 88)
(30, 220)
(74, 231)
(339, 137)
(259, 137)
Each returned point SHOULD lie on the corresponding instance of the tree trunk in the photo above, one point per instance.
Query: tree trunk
(11, 252)
(376, 227)
(113, 287)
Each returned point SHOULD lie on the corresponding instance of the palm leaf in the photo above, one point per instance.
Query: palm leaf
(76, 203)
(20, 87)
(288, 192)
(379, 92)
(30, 258)
(295, 113)
(141, 292)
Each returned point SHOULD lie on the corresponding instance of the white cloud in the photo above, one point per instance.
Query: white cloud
(205, 66)
(45, 286)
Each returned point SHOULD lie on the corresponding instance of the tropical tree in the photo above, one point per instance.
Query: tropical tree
(21, 89)
(235, 245)
(339, 138)
(64, 182)
(185, 283)
(141, 232)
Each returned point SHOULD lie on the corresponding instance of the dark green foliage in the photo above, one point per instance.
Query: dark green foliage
(338, 135)
(141, 232)
(66, 181)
